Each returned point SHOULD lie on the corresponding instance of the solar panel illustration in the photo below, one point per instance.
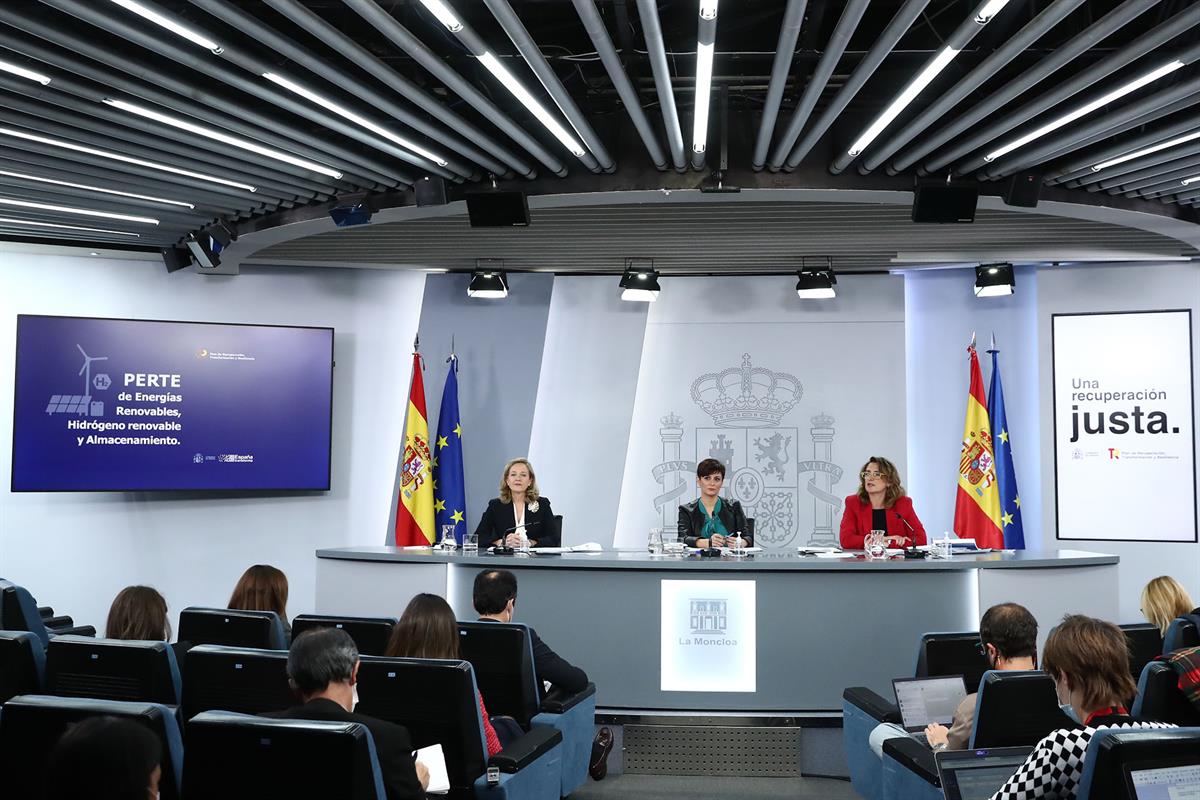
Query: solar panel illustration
(68, 404)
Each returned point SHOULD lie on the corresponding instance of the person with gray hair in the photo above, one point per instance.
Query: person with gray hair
(322, 669)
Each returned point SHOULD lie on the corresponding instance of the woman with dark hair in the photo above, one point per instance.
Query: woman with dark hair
(710, 520)
(428, 629)
(105, 758)
(520, 508)
(880, 505)
(138, 612)
(1089, 662)
(263, 588)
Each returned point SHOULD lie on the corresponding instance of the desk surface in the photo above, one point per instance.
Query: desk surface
(761, 562)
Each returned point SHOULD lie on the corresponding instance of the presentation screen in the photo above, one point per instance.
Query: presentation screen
(1124, 448)
(150, 405)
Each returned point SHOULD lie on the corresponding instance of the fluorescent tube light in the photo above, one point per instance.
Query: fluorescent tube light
(126, 159)
(537, 109)
(224, 138)
(906, 96)
(1190, 181)
(704, 66)
(7, 66)
(174, 27)
(444, 14)
(990, 9)
(357, 119)
(13, 221)
(55, 182)
(87, 212)
(1084, 110)
(708, 9)
(1145, 151)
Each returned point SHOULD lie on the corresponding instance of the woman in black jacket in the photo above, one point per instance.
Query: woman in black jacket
(712, 521)
(519, 508)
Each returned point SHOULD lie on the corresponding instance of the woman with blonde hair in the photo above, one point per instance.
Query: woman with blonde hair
(263, 588)
(520, 509)
(880, 505)
(1163, 600)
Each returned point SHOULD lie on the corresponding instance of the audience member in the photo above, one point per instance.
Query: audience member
(105, 758)
(1163, 600)
(263, 588)
(1089, 662)
(1008, 640)
(495, 598)
(428, 629)
(138, 612)
(322, 668)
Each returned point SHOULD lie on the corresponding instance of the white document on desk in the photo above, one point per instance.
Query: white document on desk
(435, 761)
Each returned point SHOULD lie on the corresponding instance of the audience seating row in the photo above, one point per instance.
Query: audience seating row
(20, 612)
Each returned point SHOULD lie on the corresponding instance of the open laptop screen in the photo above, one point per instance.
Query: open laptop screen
(977, 774)
(926, 700)
(1164, 781)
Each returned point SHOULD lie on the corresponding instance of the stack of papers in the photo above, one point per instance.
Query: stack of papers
(435, 761)
(816, 550)
(586, 547)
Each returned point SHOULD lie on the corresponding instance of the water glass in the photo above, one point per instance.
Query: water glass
(654, 543)
(875, 544)
(447, 541)
(470, 543)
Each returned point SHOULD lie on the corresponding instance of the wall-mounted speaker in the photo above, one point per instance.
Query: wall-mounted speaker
(497, 209)
(1023, 189)
(942, 202)
(430, 191)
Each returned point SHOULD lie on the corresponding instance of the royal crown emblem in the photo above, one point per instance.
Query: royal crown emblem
(747, 396)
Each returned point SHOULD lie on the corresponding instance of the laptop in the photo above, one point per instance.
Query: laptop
(978, 774)
(1163, 779)
(925, 700)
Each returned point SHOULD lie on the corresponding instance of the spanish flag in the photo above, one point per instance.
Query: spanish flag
(414, 509)
(977, 507)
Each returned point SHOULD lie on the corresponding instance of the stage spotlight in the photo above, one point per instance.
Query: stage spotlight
(347, 216)
(205, 249)
(639, 283)
(994, 280)
(488, 281)
(816, 284)
(175, 258)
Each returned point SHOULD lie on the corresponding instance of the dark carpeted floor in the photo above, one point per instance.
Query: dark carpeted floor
(654, 787)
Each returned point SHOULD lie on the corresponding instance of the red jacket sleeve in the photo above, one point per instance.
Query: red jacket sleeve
(493, 741)
(904, 508)
(850, 535)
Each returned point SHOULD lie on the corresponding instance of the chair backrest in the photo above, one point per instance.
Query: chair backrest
(502, 656)
(437, 701)
(1160, 699)
(232, 628)
(279, 758)
(22, 664)
(951, 653)
(19, 611)
(1113, 749)
(1181, 633)
(236, 679)
(370, 634)
(30, 725)
(112, 669)
(1016, 709)
(1145, 644)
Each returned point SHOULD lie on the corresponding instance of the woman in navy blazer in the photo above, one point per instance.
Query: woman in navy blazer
(880, 504)
(520, 505)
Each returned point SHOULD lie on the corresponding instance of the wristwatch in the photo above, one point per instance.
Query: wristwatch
(939, 747)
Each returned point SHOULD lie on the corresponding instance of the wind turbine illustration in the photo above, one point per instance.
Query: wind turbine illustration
(95, 409)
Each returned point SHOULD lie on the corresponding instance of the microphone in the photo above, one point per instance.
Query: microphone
(526, 525)
(505, 550)
(911, 551)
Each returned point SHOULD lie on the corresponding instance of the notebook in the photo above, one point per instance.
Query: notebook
(978, 774)
(925, 700)
(1164, 779)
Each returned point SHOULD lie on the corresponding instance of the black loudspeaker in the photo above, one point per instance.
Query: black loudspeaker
(430, 191)
(497, 209)
(176, 258)
(942, 202)
(1023, 189)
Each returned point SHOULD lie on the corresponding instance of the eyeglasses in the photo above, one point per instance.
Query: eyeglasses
(870, 473)
(981, 648)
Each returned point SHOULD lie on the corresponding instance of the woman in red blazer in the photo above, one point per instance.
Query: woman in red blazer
(880, 505)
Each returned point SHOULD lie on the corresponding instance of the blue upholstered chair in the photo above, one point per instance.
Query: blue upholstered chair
(22, 664)
(437, 701)
(112, 669)
(30, 725)
(370, 634)
(1111, 749)
(908, 771)
(1181, 633)
(279, 758)
(1159, 698)
(232, 628)
(1145, 644)
(1016, 709)
(236, 679)
(19, 612)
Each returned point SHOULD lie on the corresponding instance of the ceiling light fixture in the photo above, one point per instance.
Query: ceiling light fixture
(85, 186)
(357, 119)
(1084, 110)
(489, 281)
(224, 138)
(8, 66)
(994, 280)
(984, 15)
(126, 159)
(87, 212)
(639, 283)
(708, 9)
(174, 27)
(1190, 181)
(816, 284)
(55, 225)
(1145, 151)
(704, 66)
(444, 14)
(537, 109)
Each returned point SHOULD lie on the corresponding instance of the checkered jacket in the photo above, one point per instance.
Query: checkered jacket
(1055, 766)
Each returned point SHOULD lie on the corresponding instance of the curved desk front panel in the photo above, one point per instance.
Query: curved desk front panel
(770, 634)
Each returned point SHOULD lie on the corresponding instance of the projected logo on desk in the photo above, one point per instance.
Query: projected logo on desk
(708, 636)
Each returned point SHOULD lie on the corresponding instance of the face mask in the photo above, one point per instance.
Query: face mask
(354, 697)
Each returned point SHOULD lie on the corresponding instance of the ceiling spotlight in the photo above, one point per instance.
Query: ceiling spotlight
(639, 283)
(816, 284)
(8, 66)
(489, 281)
(193, 36)
(994, 280)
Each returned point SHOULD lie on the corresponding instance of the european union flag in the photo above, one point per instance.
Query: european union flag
(1006, 476)
(449, 488)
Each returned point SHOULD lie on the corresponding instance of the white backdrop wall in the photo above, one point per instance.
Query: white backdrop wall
(76, 550)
